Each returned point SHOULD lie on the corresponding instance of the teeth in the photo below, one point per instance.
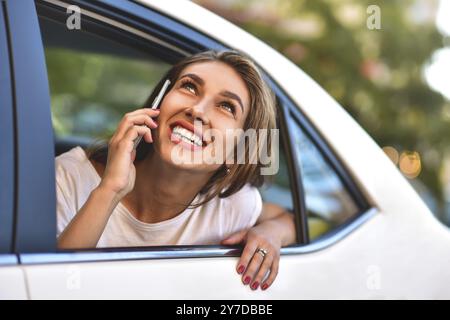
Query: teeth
(187, 136)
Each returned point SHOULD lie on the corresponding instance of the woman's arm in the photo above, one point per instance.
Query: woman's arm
(274, 228)
(279, 220)
(88, 225)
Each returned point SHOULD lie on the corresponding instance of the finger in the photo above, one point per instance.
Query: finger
(145, 132)
(235, 238)
(129, 121)
(252, 269)
(263, 270)
(246, 256)
(146, 111)
(273, 274)
(135, 132)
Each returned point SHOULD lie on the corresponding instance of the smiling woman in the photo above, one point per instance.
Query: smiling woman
(116, 196)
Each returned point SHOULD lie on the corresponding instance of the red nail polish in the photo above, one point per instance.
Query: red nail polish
(264, 286)
(247, 280)
(255, 285)
(241, 269)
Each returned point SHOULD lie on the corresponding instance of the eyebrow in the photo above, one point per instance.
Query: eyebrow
(224, 93)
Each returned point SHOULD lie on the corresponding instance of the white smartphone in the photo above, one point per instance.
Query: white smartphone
(155, 105)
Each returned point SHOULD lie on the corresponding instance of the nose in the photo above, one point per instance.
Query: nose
(198, 112)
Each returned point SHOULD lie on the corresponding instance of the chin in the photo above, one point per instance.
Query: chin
(180, 157)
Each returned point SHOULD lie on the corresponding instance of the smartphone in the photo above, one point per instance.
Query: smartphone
(155, 105)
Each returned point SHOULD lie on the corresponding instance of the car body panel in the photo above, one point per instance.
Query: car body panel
(12, 284)
(12, 279)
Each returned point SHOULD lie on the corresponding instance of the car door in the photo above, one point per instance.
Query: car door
(326, 202)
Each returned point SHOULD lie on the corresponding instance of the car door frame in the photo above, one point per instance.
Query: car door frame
(7, 151)
(34, 155)
(162, 27)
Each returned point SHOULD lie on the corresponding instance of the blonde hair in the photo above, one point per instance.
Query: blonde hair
(261, 115)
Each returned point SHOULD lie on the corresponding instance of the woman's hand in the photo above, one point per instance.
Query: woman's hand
(254, 264)
(120, 172)
(260, 258)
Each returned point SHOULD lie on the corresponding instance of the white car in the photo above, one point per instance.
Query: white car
(363, 232)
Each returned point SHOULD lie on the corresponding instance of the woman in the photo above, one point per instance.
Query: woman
(117, 196)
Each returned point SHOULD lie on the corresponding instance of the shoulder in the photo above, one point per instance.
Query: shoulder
(73, 166)
(247, 196)
(71, 159)
(75, 179)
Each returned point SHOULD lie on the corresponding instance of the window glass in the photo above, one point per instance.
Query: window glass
(278, 189)
(328, 202)
(93, 82)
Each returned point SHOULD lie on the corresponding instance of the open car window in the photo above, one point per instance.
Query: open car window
(95, 79)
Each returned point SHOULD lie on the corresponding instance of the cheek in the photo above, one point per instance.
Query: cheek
(168, 105)
(225, 139)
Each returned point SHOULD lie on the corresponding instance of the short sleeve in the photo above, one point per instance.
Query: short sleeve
(244, 209)
(65, 204)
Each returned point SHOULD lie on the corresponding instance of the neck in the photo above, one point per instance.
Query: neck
(162, 191)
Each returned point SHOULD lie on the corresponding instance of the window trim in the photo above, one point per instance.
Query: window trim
(187, 252)
(127, 12)
(7, 147)
(8, 260)
(295, 180)
(121, 26)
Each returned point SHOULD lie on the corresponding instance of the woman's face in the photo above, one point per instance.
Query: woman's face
(206, 106)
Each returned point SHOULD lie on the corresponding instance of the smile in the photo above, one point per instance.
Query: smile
(184, 133)
(187, 136)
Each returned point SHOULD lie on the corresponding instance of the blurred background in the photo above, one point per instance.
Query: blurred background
(395, 81)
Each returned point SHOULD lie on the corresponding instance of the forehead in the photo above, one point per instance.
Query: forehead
(218, 76)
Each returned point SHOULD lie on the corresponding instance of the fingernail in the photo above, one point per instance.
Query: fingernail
(156, 123)
(255, 285)
(241, 269)
(264, 286)
(247, 280)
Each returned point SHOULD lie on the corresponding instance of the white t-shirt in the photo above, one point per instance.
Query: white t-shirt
(205, 225)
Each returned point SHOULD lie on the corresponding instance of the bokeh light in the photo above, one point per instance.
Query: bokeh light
(392, 153)
(410, 164)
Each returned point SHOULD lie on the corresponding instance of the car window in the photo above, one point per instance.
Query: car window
(93, 81)
(278, 190)
(328, 202)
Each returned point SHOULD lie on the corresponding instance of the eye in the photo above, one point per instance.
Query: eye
(227, 106)
(189, 85)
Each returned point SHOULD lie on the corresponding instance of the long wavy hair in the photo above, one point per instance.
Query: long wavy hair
(262, 115)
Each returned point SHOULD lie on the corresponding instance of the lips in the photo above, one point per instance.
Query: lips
(184, 132)
(189, 126)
